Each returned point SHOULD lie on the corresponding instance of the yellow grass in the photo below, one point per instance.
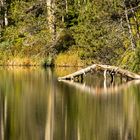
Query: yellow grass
(68, 59)
(25, 61)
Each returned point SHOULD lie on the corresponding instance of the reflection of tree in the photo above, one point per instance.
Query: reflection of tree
(34, 106)
(23, 101)
(1, 117)
(65, 111)
(107, 117)
(100, 90)
(135, 90)
(49, 128)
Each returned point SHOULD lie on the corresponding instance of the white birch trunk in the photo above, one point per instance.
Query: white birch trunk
(5, 19)
(51, 17)
(3, 5)
(66, 6)
(129, 28)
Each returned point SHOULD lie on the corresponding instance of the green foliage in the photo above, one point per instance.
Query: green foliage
(27, 33)
(64, 42)
(93, 34)
(71, 19)
(136, 62)
(127, 59)
(131, 60)
(95, 30)
(48, 61)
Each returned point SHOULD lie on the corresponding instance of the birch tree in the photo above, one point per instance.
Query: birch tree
(3, 8)
(51, 17)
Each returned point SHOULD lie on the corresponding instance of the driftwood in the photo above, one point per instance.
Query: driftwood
(112, 70)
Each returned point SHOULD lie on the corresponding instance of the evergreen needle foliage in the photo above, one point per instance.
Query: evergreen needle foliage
(91, 31)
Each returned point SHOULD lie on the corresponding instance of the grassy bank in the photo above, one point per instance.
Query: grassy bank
(26, 61)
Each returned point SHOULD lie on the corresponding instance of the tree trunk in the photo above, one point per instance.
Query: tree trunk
(3, 9)
(136, 21)
(66, 5)
(51, 17)
(129, 28)
(98, 67)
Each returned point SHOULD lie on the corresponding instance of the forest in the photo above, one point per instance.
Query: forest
(70, 32)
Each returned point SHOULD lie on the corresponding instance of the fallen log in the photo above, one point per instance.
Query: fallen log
(112, 70)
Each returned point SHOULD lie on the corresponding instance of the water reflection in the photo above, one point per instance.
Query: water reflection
(35, 106)
(100, 90)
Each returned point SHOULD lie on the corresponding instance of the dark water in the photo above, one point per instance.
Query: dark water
(35, 106)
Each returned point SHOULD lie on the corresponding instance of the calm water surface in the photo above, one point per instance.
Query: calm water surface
(35, 106)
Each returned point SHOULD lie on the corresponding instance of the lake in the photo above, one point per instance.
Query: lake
(34, 105)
